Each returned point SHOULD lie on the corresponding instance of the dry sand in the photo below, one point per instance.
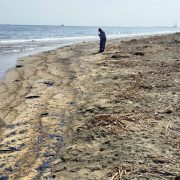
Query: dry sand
(73, 114)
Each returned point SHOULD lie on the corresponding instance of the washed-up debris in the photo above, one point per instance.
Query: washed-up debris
(44, 166)
(72, 77)
(49, 83)
(19, 66)
(44, 114)
(139, 53)
(160, 161)
(32, 97)
(72, 103)
(126, 94)
(118, 56)
(176, 41)
(11, 134)
(167, 111)
(109, 123)
(57, 137)
(8, 150)
(121, 172)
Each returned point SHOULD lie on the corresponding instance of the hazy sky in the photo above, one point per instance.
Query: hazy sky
(91, 12)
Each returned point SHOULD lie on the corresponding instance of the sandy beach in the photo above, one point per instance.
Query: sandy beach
(71, 113)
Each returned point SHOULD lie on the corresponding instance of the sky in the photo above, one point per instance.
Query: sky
(91, 12)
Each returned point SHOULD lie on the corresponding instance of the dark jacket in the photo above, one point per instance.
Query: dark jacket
(102, 35)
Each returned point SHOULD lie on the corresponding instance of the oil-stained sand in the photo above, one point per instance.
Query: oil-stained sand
(74, 114)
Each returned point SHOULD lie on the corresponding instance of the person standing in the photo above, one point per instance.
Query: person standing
(102, 36)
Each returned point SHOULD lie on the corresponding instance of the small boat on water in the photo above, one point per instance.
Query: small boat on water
(175, 25)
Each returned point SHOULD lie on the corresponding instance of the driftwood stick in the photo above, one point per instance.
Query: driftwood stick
(167, 127)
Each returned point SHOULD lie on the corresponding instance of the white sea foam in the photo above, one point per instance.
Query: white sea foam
(18, 41)
(16, 50)
(76, 38)
(118, 35)
(23, 45)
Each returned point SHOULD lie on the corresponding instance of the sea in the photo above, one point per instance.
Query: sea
(23, 40)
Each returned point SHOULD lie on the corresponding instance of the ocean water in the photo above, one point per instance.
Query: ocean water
(21, 40)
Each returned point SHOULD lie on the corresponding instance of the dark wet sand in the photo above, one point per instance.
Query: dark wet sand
(73, 114)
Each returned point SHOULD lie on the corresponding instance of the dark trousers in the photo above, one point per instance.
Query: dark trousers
(102, 45)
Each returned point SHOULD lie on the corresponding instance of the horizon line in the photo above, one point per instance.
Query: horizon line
(63, 25)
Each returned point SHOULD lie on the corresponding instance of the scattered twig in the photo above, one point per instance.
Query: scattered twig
(167, 127)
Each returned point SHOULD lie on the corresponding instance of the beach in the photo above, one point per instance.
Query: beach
(22, 40)
(72, 113)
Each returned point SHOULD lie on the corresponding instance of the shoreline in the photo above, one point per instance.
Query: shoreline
(36, 52)
(13, 58)
(71, 113)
